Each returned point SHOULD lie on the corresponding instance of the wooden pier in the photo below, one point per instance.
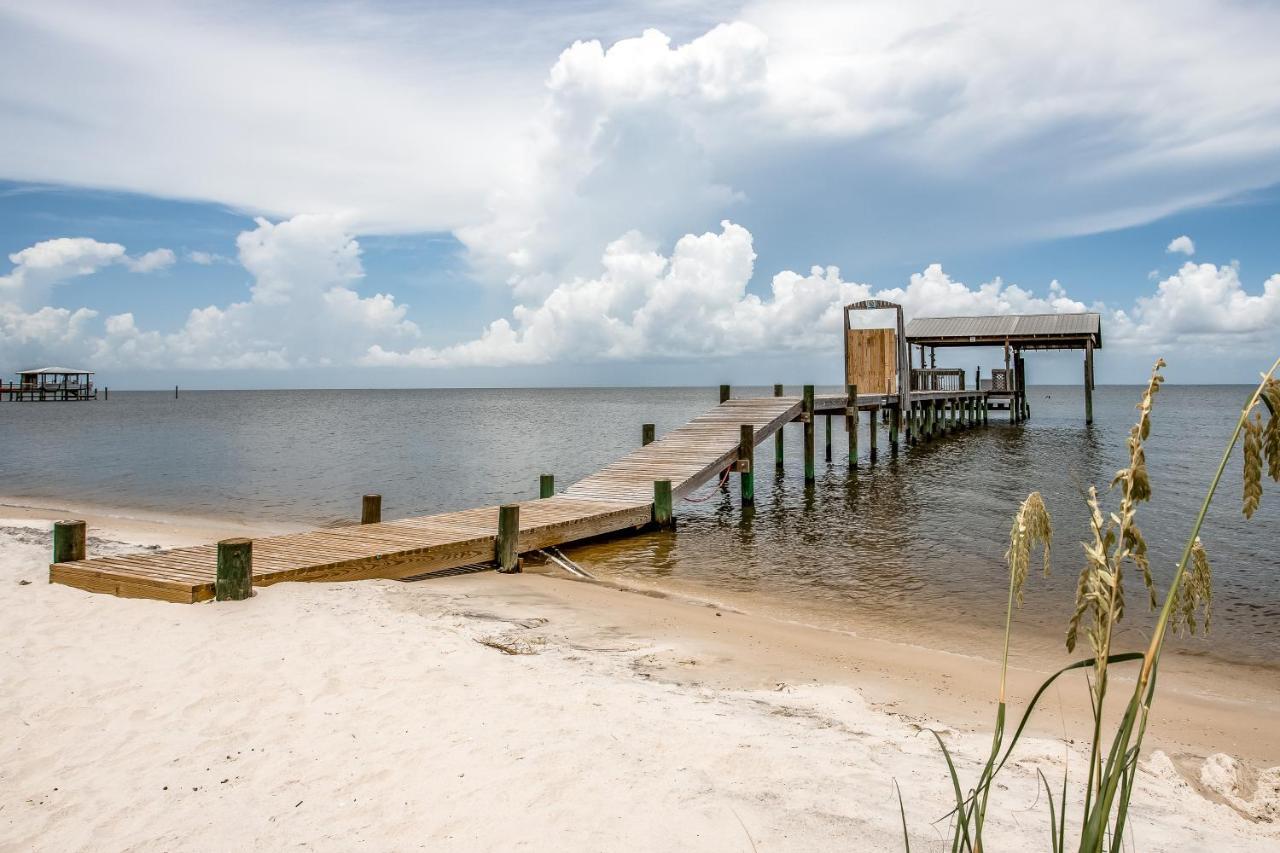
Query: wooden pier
(640, 489)
(619, 497)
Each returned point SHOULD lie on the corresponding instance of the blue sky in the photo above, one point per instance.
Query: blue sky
(436, 194)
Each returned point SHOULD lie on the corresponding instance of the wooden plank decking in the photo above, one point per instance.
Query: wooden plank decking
(616, 498)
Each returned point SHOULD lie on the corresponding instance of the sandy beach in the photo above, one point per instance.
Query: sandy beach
(539, 712)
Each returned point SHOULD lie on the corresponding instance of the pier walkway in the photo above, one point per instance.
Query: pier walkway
(619, 497)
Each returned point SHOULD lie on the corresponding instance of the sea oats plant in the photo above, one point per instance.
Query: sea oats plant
(1116, 542)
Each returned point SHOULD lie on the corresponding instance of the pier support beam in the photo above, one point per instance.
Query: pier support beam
(895, 417)
(506, 548)
(1088, 382)
(663, 517)
(827, 454)
(371, 509)
(546, 485)
(851, 424)
(873, 432)
(725, 392)
(777, 437)
(234, 580)
(746, 463)
(810, 474)
(68, 541)
(647, 434)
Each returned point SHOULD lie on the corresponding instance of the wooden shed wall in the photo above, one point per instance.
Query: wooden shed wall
(872, 362)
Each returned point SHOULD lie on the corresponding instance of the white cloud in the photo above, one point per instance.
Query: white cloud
(1182, 245)
(301, 310)
(156, 259)
(1202, 305)
(696, 303)
(40, 267)
(206, 259)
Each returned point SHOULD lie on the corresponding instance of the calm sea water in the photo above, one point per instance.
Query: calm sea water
(903, 544)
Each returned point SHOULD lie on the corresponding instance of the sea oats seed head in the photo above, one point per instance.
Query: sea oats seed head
(1031, 525)
(1195, 592)
(1271, 436)
(1252, 464)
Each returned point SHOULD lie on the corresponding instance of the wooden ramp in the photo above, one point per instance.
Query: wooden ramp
(619, 497)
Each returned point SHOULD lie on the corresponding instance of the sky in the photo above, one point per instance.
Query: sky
(396, 194)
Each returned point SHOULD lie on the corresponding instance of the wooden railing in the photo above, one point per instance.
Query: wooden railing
(937, 379)
(1000, 381)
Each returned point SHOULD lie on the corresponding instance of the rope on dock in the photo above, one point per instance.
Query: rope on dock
(724, 479)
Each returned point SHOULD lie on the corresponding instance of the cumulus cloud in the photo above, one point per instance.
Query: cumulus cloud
(1181, 245)
(695, 303)
(40, 267)
(1202, 305)
(302, 308)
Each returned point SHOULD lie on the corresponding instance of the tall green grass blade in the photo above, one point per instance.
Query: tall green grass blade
(1055, 844)
(906, 839)
(962, 840)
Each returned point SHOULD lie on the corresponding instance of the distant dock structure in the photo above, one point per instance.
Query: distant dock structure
(50, 384)
(910, 406)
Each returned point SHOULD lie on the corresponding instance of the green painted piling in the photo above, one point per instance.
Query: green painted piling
(663, 517)
(851, 424)
(546, 485)
(234, 579)
(810, 474)
(648, 432)
(777, 436)
(68, 541)
(506, 548)
(725, 392)
(746, 463)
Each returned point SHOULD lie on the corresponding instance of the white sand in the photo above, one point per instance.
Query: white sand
(367, 716)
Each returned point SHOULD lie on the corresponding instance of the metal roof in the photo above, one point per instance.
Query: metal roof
(53, 370)
(1007, 326)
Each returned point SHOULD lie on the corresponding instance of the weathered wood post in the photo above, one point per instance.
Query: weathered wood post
(895, 416)
(663, 517)
(175, 392)
(234, 579)
(371, 509)
(777, 436)
(506, 548)
(873, 431)
(985, 410)
(724, 393)
(1088, 382)
(106, 394)
(68, 541)
(746, 463)
(546, 485)
(828, 449)
(647, 434)
(810, 474)
(851, 424)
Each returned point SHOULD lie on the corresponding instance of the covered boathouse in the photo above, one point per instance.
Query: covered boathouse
(50, 383)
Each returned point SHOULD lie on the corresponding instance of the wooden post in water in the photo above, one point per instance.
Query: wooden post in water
(1088, 382)
(175, 392)
(663, 517)
(873, 432)
(828, 453)
(234, 580)
(546, 485)
(851, 424)
(746, 463)
(506, 548)
(777, 436)
(106, 394)
(724, 393)
(371, 509)
(647, 434)
(895, 416)
(810, 475)
(68, 541)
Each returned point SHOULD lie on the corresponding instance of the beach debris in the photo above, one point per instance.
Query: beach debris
(513, 645)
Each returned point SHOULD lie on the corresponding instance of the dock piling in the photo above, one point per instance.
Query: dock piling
(777, 436)
(663, 516)
(895, 416)
(873, 432)
(234, 580)
(506, 550)
(546, 485)
(810, 474)
(647, 434)
(371, 509)
(68, 541)
(851, 424)
(746, 463)
(725, 393)
(1088, 383)
(828, 448)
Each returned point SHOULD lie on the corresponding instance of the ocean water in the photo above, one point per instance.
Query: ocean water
(908, 543)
